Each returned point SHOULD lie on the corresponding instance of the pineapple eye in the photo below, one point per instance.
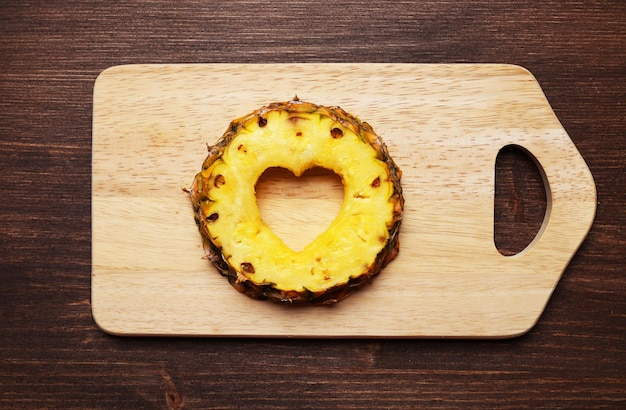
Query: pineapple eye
(219, 181)
(262, 122)
(336, 133)
(247, 267)
(213, 217)
(376, 182)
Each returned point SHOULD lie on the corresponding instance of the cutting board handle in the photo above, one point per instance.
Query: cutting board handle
(571, 203)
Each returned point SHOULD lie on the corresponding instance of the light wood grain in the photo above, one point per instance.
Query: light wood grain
(444, 125)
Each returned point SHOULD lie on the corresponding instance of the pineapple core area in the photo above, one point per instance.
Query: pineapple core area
(299, 209)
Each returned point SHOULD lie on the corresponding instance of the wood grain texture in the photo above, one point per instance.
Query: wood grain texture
(444, 126)
(52, 355)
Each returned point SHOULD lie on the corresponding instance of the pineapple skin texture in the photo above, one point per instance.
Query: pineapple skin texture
(298, 135)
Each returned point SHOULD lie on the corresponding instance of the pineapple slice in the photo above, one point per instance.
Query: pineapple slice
(297, 136)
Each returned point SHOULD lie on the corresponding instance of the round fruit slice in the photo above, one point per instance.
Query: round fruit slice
(298, 135)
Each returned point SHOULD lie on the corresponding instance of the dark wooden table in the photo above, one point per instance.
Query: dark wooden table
(52, 355)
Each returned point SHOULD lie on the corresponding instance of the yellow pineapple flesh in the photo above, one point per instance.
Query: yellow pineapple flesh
(297, 136)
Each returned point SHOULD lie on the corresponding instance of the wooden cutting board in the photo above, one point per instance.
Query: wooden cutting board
(443, 124)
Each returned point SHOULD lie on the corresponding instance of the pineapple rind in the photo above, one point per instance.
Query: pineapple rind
(297, 136)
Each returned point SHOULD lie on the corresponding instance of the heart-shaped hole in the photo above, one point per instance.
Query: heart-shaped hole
(299, 209)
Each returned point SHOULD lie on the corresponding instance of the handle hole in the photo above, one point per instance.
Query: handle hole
(520, 200)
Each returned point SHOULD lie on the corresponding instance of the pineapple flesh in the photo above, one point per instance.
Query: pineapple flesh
(297, 136)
